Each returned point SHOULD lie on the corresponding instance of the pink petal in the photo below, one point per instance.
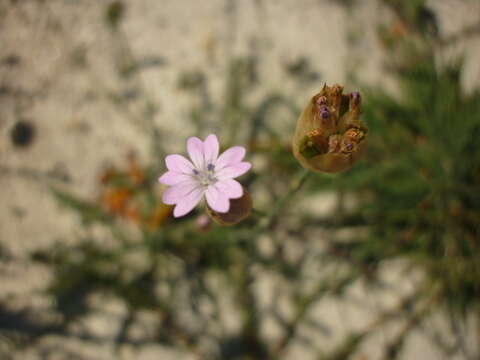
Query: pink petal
(176, 193)
(178, 163)
(187, 203)
(173, 178)
(210, 147)
(217, 200)
(232, 171)
(231, 188)
(232, 155)
(195, 150)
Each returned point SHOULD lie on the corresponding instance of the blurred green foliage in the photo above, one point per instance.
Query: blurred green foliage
(418, 189)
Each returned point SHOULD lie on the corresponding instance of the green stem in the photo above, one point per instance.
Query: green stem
(251, 337)
(295, 186)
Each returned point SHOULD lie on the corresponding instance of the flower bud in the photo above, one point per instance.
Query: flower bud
(239, 209)
(203, 223)
(330, 137)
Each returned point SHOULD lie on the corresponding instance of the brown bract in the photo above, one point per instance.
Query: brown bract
(330, 136)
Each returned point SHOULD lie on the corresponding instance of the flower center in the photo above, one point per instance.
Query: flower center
(206, 177)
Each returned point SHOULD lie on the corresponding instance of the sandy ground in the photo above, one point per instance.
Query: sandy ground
(56, 71)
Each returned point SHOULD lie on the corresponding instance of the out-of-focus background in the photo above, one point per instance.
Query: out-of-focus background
(379, 262)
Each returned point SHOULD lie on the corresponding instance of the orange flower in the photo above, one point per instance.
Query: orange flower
(135, 172)
(161, 213)
(116, 200)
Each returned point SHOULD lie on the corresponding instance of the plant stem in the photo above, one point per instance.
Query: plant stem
(295, 186)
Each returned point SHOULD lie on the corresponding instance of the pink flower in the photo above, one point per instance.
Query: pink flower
(207, 174)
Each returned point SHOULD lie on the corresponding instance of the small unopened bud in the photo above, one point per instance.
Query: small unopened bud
(330, 136)
(321, 100)
(204, 223)
(325, 114)
(239, 209)
(314, 143)
(356, 98)
(347, 146)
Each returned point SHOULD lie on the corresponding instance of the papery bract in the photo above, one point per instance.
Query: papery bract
(330, 136)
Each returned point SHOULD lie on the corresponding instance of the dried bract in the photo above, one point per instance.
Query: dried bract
(330, 137)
